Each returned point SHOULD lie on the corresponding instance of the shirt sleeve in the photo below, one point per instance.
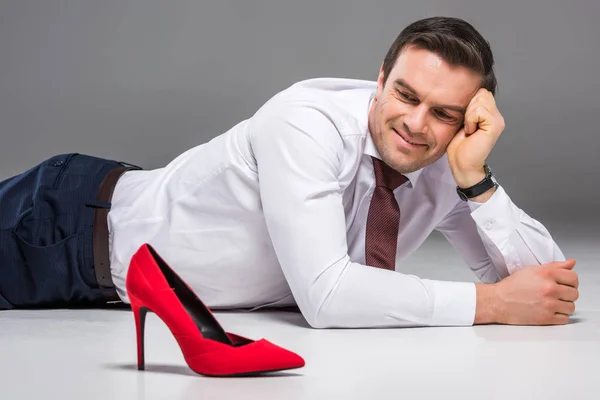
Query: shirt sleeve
(496, 238)
(299, 155)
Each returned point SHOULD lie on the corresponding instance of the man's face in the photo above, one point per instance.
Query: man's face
(423, 101)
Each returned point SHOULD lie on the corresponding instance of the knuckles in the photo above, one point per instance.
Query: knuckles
(549, 289)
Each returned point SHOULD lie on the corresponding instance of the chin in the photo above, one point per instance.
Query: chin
(402, 164)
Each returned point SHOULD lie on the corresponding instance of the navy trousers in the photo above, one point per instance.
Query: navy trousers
(46, 230)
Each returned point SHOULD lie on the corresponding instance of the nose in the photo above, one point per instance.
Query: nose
(415, 118)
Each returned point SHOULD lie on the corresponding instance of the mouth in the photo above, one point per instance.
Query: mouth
(404, 140)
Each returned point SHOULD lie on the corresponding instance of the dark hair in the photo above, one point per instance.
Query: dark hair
(453, 39)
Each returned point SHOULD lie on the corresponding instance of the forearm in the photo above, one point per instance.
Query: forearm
(351, 295)
(507, 230)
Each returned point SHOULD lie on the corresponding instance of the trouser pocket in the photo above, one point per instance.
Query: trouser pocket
(50, 274)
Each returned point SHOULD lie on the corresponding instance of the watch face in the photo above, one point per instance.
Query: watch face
(487, 169)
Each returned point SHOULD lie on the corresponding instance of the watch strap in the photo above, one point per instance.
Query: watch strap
(479, 188)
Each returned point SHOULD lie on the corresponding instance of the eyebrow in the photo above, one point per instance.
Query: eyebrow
(401, 82)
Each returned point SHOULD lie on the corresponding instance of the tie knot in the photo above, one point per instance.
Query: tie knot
(386, 175)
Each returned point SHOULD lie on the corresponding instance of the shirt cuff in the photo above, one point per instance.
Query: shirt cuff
(454, 303)
(496, 217)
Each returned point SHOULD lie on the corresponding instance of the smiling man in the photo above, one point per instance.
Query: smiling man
(314, 201)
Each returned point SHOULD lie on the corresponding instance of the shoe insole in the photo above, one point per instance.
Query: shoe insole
(203, 318)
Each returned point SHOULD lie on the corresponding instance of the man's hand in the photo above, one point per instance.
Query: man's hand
(469, 149)
(535, 295)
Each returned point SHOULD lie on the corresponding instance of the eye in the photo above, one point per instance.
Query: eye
(407, 97)
(443, 115)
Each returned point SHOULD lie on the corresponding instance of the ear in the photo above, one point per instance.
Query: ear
(380, 78)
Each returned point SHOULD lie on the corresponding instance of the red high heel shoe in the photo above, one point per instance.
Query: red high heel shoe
(208, 350)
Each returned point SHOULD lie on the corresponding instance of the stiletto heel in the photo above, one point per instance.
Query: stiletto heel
(207, 348)
(139, 314)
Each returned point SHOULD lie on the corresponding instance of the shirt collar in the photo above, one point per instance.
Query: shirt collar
(371, 150)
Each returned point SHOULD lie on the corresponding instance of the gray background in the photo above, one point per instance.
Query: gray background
(142, 81)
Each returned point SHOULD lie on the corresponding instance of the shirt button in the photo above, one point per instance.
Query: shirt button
(488, 225)
(58, 163)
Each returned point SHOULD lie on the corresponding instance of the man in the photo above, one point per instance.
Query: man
(313, 201)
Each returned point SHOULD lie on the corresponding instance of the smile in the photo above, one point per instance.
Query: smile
(407, 142)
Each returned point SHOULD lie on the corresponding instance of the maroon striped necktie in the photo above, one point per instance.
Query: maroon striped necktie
(383, 219)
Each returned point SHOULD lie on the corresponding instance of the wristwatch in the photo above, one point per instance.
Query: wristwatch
(486, 184)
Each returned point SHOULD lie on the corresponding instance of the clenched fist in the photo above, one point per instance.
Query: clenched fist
(469, 149)
(535, 295)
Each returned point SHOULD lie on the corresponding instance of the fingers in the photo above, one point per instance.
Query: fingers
(560, 319)
(565, 307)
(568, 264)
(483, 95)
(482, 110)
(565, 277)
(475, 116)
(567, 293)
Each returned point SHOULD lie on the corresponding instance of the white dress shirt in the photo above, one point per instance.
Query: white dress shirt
(273, 213)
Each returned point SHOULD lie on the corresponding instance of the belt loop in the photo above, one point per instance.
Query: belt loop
(102, 204)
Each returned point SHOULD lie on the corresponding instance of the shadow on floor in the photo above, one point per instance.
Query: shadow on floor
(186, 371)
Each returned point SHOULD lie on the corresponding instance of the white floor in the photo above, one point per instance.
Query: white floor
(88, 355)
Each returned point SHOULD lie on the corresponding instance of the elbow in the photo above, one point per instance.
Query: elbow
(315, 317)
(315, 324)
(319, 302)
(317, 309)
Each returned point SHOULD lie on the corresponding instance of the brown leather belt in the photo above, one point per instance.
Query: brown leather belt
(100, 235)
